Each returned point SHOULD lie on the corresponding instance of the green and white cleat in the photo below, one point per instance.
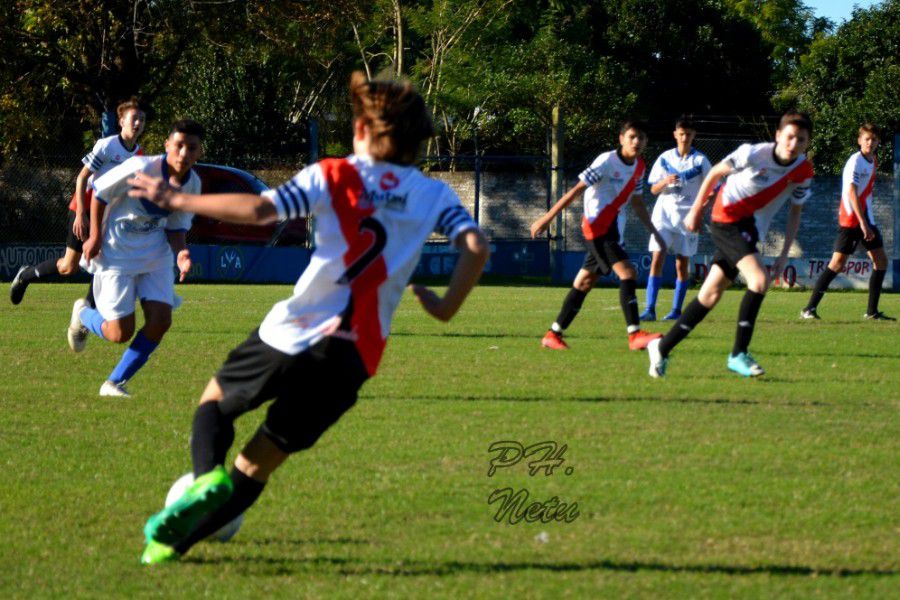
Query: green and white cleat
(744, 364)
(171, 524)
(156, 553)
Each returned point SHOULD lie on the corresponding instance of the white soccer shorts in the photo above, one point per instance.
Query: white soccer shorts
(116, 293)
(682, 243)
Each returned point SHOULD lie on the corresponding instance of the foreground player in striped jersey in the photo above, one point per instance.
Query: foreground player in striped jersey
(374, 211)
(676, 177)
(761, 177)
(856, 226)
(614, 178)
(107, 153)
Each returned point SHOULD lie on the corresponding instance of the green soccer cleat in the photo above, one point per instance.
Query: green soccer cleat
(156, 553)
(171, 524)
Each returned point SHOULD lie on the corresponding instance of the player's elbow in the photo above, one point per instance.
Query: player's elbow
(264, 212)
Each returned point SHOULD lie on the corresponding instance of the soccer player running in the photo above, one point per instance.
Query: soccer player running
(374, 211)
(675, 177)
(107, 153)
(856, 226)
(130, 253)
(760, 178)
(614, 178)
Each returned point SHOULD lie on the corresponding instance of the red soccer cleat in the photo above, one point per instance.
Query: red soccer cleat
(554, 341)
(640, 338)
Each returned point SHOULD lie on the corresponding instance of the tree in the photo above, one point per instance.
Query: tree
(848, 78)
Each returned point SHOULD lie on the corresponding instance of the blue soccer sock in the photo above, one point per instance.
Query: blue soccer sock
(133, 359)
(681, 288)
(91, 318)
(652, 291)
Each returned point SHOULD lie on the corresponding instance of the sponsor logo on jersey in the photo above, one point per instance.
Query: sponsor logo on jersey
(385, 200)
(389, 181)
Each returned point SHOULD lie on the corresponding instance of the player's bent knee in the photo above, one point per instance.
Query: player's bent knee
(66, 269)
(212, 392)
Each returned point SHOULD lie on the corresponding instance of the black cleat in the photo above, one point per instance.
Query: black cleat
(17, 287)
(879, 316)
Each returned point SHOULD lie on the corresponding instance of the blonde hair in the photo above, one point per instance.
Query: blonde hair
(395, 114)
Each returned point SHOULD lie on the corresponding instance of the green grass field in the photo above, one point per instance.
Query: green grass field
(702, 485)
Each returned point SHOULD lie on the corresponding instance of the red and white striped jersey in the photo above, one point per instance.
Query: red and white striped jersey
(759, 186)
(107, 153)
(611, 184)
(372, 219)
(859, 173)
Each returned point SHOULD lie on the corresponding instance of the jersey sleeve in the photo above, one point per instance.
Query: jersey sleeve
(852, 176)
(657, 172)
(94, 159)
(179, 221)
(300, 196)
(740, 158)
(453, 218)
(114, 184)
(594, 173)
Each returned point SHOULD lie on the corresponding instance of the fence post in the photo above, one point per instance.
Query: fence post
(895, 253)
(557, 139)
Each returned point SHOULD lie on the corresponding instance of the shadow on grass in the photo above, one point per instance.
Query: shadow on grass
(599, 399)
(347, 566)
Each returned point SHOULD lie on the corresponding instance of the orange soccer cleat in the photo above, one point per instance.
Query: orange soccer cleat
(640, 338)
(554, 341)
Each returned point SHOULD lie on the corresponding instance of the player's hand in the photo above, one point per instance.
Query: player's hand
(431, 302)
(153, 189)
(692, 221)
(90, 249)
(867, 232)
(778, 267)
(183, 260)
(538, 227)
(80, 226)
(671, 179)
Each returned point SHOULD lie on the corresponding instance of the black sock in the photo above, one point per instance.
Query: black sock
(750, 305)
(246, 491)
(571, 306)
(822, 284)
(628, 300)
(211, 438)
(875, 290)
(90, 294)
(690, 318)
(42, 271)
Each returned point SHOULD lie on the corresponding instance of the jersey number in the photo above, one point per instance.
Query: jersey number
(379, 240)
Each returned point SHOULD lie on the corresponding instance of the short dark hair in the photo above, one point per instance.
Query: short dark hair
(870, 128)
(685, 123)
(799, 119)
(638, 126)
(188, 127)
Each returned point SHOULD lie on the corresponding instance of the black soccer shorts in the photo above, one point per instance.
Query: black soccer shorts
(733, 241)
(848, 238)
(311, 390)
(603, 252)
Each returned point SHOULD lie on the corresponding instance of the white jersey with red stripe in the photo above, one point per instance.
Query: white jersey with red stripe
(759, 185)
(372, 220)
(859, 173)
(611, 184)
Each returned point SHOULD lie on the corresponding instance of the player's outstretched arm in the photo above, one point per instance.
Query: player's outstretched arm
(78, 227)
(695, 215)
(474, 252)
(233, 208)
(541, 225)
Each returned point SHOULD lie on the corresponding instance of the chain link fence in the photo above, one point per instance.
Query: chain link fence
(505, 193)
